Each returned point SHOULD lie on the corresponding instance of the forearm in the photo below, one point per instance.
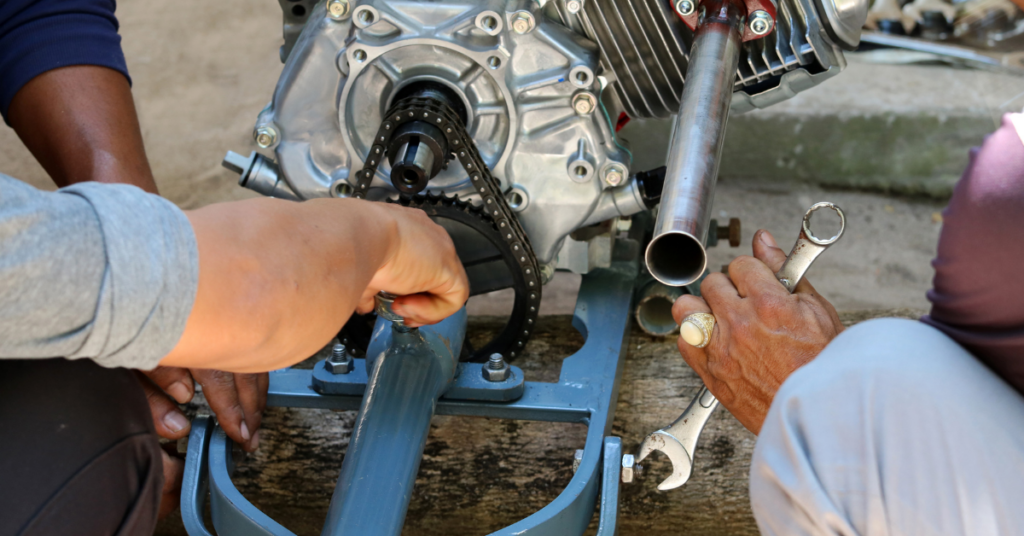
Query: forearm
(80, 123)
(255, 304)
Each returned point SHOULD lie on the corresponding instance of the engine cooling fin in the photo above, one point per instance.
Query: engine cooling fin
(647, 48)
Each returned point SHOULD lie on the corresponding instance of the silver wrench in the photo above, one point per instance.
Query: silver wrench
(679, 440)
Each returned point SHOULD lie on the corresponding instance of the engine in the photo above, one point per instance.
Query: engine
(501, 113)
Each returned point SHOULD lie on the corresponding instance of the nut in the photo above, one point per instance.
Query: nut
(630, 469)
(496, 369)
(686, 7)
(340, 361)
(584, 103)
(265, 136)
(523, 22)
(574, 6)
(577, 459)
(760, 22)
(338, 9)
(614, 175)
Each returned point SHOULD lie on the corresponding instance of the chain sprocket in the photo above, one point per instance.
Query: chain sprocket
(493, 219)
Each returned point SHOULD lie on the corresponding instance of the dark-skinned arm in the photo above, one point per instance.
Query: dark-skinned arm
(80, 124)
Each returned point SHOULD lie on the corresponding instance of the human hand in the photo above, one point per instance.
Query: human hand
(422, 269)
(238, 401)
(762, 333)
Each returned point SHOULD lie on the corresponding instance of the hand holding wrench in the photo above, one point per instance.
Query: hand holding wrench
(678, 440)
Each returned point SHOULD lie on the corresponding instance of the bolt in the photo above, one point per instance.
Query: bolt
(630, 469)
(614, 175)
(577, 459)
(265, 136)
(522, 22)
(547, 272)
(730, 232)
(340, 361)
(573, 6)
(685, 7)
(584, 103)
(496, 369)
(338, 9)
(760, 22)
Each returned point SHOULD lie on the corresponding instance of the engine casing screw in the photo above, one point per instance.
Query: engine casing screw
(523, 22)
(584, 103)
(760, 22)
(265, 136)
(614, 175)
(338, 9)
(686, 7)
(573, 6)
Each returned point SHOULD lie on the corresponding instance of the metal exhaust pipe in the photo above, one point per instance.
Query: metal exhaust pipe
(676, 254)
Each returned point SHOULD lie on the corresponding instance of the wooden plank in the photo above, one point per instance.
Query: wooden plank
(478, 475)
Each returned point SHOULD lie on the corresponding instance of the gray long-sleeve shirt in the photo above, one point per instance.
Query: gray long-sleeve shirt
(98, 271)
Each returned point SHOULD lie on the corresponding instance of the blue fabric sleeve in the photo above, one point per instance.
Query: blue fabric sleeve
(40, 35)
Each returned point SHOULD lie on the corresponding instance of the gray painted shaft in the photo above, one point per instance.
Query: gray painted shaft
(676, 254)
(383, 456)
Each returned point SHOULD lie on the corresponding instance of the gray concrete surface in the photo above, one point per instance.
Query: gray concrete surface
(893, 128)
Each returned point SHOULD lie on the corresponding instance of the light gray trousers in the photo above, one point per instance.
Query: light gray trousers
(893, 430)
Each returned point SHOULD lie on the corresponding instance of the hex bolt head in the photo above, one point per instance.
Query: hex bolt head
(614, 175)
(584, 103)
(523, 22)
(265, 136)
(339, 9)
(577, 459)
(340, 361)
(686, 7)
(496, 369)
(630, 469)
(760, 22)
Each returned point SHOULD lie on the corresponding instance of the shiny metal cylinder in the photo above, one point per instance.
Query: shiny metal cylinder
(654, 309)
(414, 167)
(383, 456)
(676, 254)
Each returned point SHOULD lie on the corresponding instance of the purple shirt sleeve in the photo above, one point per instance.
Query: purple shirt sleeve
(978, 294)
(39, 35)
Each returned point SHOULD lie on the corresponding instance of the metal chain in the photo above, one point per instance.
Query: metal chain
(493, 203)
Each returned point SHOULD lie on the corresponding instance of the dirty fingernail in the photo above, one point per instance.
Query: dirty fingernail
(245, 432)
(767, 239)
(175, 421)
(254, 443)
(180, 392)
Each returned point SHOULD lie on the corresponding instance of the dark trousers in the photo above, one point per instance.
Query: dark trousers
(78, 454)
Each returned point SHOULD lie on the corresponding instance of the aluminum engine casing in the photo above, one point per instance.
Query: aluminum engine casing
(341, 76)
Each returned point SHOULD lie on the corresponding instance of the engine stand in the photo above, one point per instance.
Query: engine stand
(586, 392)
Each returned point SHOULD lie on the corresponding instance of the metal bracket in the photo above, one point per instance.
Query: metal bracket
(585, 392)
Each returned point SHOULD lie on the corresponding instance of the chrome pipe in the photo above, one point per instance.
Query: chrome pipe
(676, 254)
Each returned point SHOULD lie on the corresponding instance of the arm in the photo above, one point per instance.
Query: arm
(278, 279)
(80, 123)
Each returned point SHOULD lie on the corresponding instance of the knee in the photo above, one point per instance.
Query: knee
(885, 361)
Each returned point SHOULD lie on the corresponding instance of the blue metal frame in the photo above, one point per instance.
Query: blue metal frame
(586, 392)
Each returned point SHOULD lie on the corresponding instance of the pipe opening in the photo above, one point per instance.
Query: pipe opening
(654, 314)
(676, 259)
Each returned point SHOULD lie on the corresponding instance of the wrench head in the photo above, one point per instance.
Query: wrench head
(682, 463)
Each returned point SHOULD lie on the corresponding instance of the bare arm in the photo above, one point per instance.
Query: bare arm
(80, 123)
(278, 279)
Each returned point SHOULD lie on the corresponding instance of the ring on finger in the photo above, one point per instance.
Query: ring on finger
(696, 329)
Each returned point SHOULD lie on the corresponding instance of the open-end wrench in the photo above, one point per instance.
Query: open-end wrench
(679, 439)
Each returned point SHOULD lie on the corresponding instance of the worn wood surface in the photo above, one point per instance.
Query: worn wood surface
(478, 475)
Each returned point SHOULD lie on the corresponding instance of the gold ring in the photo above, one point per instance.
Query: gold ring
(696, 329)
